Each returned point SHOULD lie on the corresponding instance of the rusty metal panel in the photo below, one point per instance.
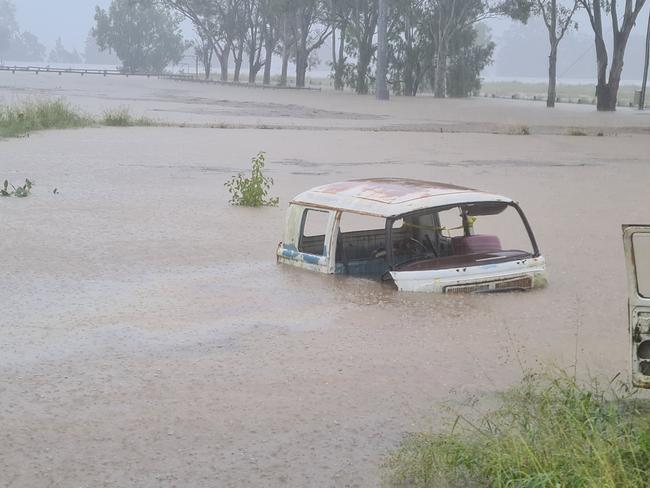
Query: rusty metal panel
(390, 197)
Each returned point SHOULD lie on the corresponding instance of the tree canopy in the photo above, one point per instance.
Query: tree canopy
(144, 35)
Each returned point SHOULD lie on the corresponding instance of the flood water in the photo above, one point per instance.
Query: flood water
(148, 337)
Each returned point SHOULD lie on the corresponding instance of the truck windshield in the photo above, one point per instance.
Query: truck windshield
(469, 234)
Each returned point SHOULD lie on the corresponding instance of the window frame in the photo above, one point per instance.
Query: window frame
(301, 236)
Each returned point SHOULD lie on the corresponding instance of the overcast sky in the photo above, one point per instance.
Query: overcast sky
(48, 19)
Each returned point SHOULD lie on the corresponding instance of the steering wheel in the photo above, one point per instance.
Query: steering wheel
(433, 248)
(413, 239)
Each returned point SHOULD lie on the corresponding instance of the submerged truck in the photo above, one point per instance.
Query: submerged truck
(422, 236)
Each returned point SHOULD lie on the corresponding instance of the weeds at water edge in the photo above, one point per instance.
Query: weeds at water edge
(549, 431)
(21, 119)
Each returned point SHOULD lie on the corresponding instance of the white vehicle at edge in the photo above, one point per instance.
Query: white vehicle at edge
(422, 236)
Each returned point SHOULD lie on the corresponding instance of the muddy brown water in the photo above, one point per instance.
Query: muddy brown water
(147, 337)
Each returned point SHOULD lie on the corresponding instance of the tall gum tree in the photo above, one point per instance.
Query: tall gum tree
(449, 17)
(309, 29)
(206, 17)
(558, 18)
(607, 87)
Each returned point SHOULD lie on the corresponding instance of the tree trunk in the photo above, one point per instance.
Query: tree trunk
(362, 72)
(239, 58)
(552, 76)
(224, 59)
(644, 82)
(602, 88)
(339, 62)
(615, 72)
(301, 68)
(285, 66)
(440, 80)
(268, 57)
(382, 52)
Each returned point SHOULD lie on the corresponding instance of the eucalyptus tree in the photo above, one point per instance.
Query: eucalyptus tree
(558, 18)
(381, 90)
(254, 36)
(144, 35)
(451, 17)
(271, 26)
(622, 24)
(646, 62)
(310, 29)
(8, 24)
(362, 26)
(409, 45)
(207, 19)
(339, 18)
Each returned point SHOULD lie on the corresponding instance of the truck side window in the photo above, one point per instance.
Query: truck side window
(312, 234)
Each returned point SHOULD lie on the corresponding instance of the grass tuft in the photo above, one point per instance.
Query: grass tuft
(21, 119)
(549, 431)
(121, 117)
(518, 130)
(576, 132)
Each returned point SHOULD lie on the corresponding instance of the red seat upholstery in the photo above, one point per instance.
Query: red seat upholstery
(475, 244)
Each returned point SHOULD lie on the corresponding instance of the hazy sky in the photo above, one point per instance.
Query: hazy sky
(48, 19)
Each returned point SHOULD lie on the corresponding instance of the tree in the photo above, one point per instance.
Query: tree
(8, 25)
(27, 47)
(254, 37)
(558, 18)
(309, 30)
(144, 35)
(382, 51)
(410, 42)
(339, 15)
(362, 27)
(644, 82)
(450, 17)
(468, 56)
(204, 51)
(94, 55)
(271, 24)
(607, 88)
(61, 55)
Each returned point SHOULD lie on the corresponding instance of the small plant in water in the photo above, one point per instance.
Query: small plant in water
(253, 191)
(20, 191)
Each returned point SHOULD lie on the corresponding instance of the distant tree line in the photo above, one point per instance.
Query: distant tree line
(437, 44)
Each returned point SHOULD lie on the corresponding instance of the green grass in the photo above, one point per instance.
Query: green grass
(19, 120)
(120, 117)
(575, 131)
(23, 118)
(550, 431)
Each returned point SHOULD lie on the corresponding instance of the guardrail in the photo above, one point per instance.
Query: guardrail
(79, 71)
(166, 76)
(195, 79)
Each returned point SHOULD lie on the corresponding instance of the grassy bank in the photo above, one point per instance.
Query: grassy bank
(549, 431)
(21, 119)
(585, 94)
(34, 115)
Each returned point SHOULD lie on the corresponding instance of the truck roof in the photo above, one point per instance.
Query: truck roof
(390, 197)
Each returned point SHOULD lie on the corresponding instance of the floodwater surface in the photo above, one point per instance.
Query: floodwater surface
(148, 338)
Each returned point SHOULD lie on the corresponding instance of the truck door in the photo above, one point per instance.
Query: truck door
(636, 241)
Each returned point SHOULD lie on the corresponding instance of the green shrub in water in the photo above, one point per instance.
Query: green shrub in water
(253, 191)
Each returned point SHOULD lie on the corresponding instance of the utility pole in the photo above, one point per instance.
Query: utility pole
(644, 82)
(382, 51)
